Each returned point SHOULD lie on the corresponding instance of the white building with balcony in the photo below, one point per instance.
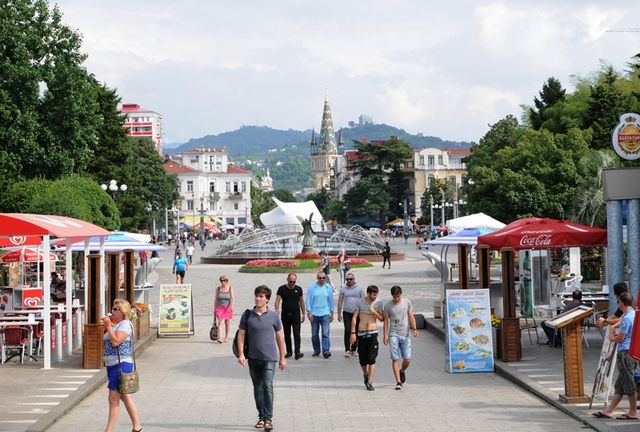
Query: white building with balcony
(209, 183)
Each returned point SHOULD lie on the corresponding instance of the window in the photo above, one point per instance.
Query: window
(194, 160)
(431, 160)
(228, 186)
(465, 180)
(421, 160)
(189, 204)
(431, 179)
(242, 220)
(229, 221)
(452, 179)
(244, 186)
(440, 160)
(212, 186)
(235, 187)
(190, 186)
(236, 206)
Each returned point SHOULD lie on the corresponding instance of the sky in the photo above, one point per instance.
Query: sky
(447, 70)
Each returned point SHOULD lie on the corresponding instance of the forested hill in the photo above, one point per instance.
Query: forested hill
(259, 139)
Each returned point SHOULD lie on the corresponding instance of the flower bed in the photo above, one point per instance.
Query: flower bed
(311, 264)
(288, 263)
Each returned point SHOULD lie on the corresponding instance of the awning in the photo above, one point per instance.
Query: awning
(114, 243)
(17, 225)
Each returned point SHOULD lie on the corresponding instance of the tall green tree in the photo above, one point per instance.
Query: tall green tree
(551, 93)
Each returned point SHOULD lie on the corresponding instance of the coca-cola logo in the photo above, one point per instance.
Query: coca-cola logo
(535, 240)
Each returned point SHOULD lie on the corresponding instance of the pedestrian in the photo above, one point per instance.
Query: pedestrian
(344, 265)
(117, 357)
(223, 302)
(292, 314)
(325, 264)
(189, 251)
(180, 266)
(350, 293)
(626, 365)
(320, 314)
(262, 328)
(618, 289)
(365, 319)
(398, 322)
(386, 254)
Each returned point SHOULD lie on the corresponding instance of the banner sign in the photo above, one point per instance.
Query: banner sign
(626, 137)
(176, 310)
(605, 371)
(469, 345)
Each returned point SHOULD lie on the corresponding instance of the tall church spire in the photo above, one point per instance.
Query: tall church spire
(327, 144)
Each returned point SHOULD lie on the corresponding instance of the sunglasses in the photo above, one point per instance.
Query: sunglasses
(291, 282)
(321, 277)
(350, 279)
(115, 309)
(224, 280)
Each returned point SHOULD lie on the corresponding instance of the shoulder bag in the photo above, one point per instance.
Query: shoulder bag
(234, 347)
(128, 382)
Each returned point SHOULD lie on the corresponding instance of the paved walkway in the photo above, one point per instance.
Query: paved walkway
(192, 384)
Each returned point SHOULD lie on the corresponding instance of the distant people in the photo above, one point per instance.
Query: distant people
(223, 302)
(618, 289)
(344, 265)
(262, 328)
(58, 287)
(553, 335)
(398, 321)
(625, 384)
(325, 264)
(190, 250)
(320, 314)
(364, 330)
(348, 299)
(180, 266)
(291, 297)
(386, 254)
(118, 357)
(203, 243)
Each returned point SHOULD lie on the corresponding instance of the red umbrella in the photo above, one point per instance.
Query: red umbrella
(25, 255)
(543, 233)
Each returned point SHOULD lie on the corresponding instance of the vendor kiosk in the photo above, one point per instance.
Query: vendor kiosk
(570, 324)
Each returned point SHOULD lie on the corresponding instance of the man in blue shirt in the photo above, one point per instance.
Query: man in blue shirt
(320, 313)
(626, 365)
(180, 266)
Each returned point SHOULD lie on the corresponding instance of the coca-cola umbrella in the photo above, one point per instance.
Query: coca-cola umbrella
(544, 233)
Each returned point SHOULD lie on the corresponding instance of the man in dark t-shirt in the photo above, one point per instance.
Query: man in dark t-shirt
(292, 314)
(618, 289)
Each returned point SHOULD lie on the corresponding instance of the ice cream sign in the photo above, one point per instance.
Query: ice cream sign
(626, 137)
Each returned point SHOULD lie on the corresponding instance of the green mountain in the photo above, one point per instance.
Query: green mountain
(259, 139)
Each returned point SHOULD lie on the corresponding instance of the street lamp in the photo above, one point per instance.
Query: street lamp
(113, 188)
(202, 213)
(431, 211)
(442, 207)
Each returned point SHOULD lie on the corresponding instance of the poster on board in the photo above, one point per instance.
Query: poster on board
(605, 371)
(176, 310)
(469, 345)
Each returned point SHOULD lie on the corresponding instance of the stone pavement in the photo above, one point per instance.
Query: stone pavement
(192, 384)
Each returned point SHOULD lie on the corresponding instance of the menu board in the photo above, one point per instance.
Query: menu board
(606, 368)
(469, 345)
(176, 310)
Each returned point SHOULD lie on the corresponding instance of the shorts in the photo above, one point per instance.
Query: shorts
(368, 349)
(400, 347)
(113, 374)
(224, 312)
(180, 273)
(625, 383)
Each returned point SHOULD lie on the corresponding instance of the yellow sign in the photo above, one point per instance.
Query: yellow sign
(176, 310)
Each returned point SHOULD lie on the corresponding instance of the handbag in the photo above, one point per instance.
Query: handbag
(128, 382)
(234, 346)
(214, 333)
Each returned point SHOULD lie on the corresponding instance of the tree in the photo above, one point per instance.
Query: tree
(438, 190)
(551, 93)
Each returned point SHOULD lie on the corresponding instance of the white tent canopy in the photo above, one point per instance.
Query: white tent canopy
(286, 214)
(477, 220)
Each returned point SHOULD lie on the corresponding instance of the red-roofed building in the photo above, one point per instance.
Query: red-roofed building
(210, 184)
(143, 123)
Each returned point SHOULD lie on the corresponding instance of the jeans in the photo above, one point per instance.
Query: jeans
(291, 321)
(347, 318)
(262, 372)
(315, 330)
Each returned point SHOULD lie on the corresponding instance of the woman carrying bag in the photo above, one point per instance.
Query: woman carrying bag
(223, 303)
(120, 363)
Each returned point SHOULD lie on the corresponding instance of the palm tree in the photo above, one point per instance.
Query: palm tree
(589, 206)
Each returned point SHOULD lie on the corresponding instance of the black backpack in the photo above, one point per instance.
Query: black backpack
(234, 347)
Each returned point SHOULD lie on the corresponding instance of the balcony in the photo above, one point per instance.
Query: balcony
(214, 196)
(236, 196)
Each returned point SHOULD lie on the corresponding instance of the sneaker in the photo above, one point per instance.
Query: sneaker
(347, 353)
(299, 356)
(370, 387)
(403, 377)
(398, 386)
(354, 353)
(315, 354)
(287, 355)
(326, 355)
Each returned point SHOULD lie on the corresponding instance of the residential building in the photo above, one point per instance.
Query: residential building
(209, 183)
(141, 122)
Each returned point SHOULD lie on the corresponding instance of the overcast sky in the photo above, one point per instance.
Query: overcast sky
(447, 70)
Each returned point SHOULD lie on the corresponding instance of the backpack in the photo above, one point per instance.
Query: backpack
(234, 346)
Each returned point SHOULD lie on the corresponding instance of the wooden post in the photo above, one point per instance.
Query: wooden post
(113, 277)
(93, 289)
(463, 266)
(129, 282)
(511, 343)
(92, 336)
(484, 264)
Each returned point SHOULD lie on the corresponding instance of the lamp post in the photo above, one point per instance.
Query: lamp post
(442, 207)
(113, 188)
(431, 211)
(202, 213)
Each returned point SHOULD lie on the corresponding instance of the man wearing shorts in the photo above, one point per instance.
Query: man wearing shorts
(180, 266)
(366, 314)
(626, 365)
(398, 320)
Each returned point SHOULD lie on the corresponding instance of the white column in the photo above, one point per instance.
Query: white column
(46, 289)
(69, 295)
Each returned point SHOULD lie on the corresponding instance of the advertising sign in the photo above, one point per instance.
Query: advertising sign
(605, 371)
(626, 137)
(176, 310)
(31, 297)
(469, 345)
